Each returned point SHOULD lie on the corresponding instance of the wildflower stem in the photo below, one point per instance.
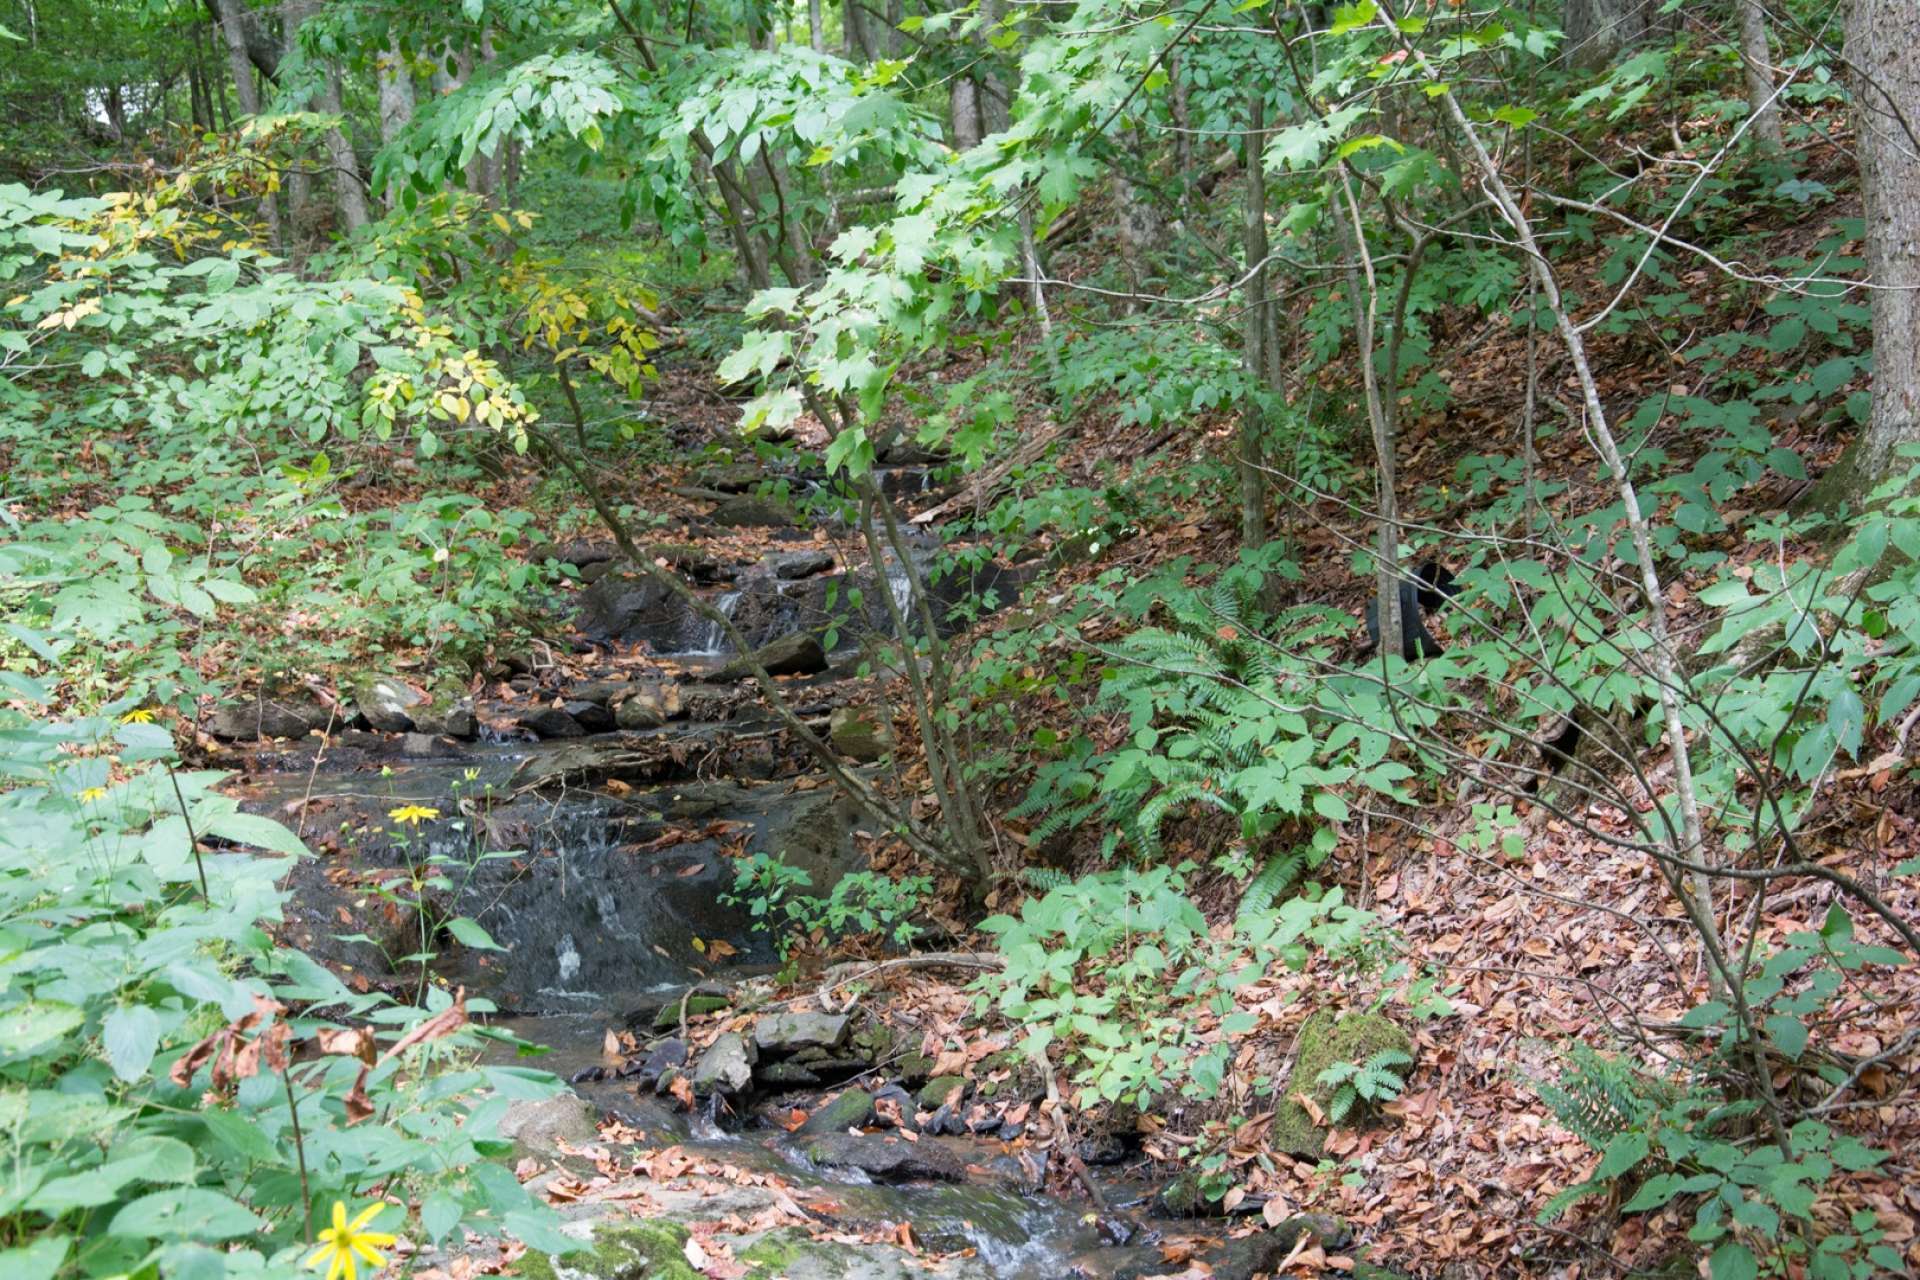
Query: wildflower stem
(193, 841)
(300, 1154)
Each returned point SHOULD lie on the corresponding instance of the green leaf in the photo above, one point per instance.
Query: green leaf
(37, 1261)
(192, 1213)
(1623, 1153)
(469, 933)
(1733, 1261)
(130, 1037)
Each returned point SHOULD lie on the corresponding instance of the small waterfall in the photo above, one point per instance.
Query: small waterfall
(714, 638)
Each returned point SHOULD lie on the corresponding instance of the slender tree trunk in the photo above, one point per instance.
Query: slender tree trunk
(1597, 30)
(859, 42)
(1758, 64)
(246, 91)
(1182, 116)
(396, 102)
(963, 112)
(349, 191)
(1253, 480)
(817, 25)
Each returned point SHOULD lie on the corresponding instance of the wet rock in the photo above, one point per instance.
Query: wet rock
(946, 1119)
(885, 1159)
(647, 705)
(784, 1075)
(451, 719)
(782, 1034)
(709, 702)
(550, 722)
(726, 1066)
(590, 716)
(815, 835)
(420, 745)
(703, 800)
(267, 718)
(849, 1110)
(890, 1101)
(1102, 1149)
(662, 1057)
(622, 604)
(387, 702)
(939, 1091)
(747, 511)
(859, 734)
(538, 1127)
(796, 654)
(802, 564)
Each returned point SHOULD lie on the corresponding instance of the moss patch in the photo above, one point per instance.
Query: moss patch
(779, 1253)
(642, 1251)
(1325, 1040)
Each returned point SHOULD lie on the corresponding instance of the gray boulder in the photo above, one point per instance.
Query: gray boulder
(780, 1034)
(621, 603)
(796, 654)
(850, 1110)
(885, 1159)
(448, 719)
(859, 734)
(745, 510)
(387, 702)
(726, 1066)
(267, 718)
(550, 722)
(647, 705)
(538, 1127)
(802, 564)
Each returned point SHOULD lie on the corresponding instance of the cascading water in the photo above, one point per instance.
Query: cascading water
(715, 638)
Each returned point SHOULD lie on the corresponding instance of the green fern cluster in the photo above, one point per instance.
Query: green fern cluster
(1599, 1097)
(1377, 1080)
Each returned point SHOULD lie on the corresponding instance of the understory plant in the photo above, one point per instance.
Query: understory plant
(180, 1094)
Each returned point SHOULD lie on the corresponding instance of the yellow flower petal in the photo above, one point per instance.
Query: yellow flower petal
(339, 1218)
(365, 1216)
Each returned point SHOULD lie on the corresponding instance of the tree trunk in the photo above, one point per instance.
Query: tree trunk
(230, 17)
(817, 25)
(1597, 30)
(859, 45)
(349, 192)
(396, 102)
(1883, 57)
(963, 112)
(1755, 59)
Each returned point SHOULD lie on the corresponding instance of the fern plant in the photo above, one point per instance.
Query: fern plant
(1364, 1085)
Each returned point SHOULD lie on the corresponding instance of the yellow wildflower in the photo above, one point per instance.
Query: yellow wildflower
(345, 1244)
(93, 793)
(139, 715)
(412, 815)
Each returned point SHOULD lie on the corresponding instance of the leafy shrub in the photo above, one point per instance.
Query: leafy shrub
(179, 1093)
(861, 902)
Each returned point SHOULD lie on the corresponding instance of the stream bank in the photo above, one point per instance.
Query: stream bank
(587, 816)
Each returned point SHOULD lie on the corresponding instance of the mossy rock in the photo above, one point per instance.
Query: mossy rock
(1324, 1040)
(654, 1250)
(913, 1068)
(936, 1091)
(787, 1252)
(670, 1015)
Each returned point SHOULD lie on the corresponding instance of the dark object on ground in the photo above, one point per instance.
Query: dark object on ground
(1421, 597)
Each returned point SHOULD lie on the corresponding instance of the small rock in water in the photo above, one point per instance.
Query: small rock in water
(726, 1066)
(537, 1127)
(850, 1110)
(662, 1057)
(669, 1014)
(885, 1159)
(781, 1034)
(387, 703)
(802, 564)
(647, 706)
(747, 510)
(419, 744)
(551, 722)
(784, 1075)
(452, 720)
(590, 716)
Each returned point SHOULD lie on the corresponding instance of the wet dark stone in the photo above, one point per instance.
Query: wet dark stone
(590, 716)
(550, 722)
(623, 604)
(802, 564)
(885, 1159)
(789, 655)
(745, 510)
(267, 718)
(850, 1110)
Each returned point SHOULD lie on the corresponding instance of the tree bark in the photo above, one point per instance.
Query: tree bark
(349, 191)
(245, 32)
(1883, 59)
(1597, 30)
(963, 112)
(396, 102)
(229, 15)
(817, 25)
(1757, 63)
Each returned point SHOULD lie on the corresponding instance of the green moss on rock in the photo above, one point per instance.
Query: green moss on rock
(641, 1251)
(1324, 1040)
(786, 1252)
(670, 1015)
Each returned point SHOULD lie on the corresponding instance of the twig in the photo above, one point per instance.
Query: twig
(299, 1151)
(193, 841)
